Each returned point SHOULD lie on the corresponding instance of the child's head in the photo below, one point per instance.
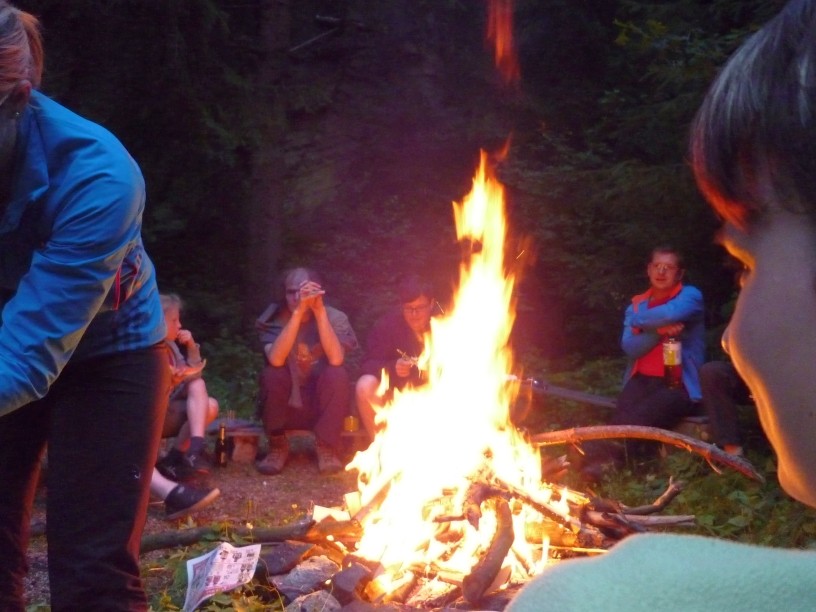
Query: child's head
(753, 148)
(171, 306)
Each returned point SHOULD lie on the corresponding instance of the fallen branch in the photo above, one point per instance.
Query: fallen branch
(672, 490)
(680, 520)
(187, 537)
(710, 452)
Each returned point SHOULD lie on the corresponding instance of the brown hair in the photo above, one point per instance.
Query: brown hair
(21, 48)
(753, 141)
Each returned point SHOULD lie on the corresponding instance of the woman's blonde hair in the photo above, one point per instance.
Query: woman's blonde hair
(21, 48)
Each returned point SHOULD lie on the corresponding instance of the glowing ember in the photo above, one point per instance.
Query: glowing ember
(437, 439)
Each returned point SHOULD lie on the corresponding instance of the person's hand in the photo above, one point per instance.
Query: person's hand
(311, 295)
(185, 338)
(670, 330)
(403, 366)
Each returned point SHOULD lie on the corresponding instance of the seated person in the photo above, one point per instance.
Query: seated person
(180, 500)
(723, 390)
(304, 384)
(190, 408)
(395, 342)
(667, 309)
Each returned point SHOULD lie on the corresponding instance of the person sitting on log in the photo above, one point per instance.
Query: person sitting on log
(393, 346)
(723, 392)
(190, 407)
(753, 145)
(304, 384)
(667, 309)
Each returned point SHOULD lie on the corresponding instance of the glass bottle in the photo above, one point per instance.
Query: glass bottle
(221, 451)
(673, 362)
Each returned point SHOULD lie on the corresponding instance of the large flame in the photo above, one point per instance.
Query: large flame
(436, 438)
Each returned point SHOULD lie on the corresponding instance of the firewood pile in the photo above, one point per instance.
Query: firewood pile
(314, 562)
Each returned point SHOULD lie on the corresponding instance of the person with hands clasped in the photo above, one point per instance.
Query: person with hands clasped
(304, 384)
(668, 309)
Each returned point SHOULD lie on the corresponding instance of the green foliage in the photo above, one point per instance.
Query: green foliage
(232, 377)
(725, 505)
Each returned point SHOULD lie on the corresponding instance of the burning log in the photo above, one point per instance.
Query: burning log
(587, 535)
(475, 584)
(709, 452)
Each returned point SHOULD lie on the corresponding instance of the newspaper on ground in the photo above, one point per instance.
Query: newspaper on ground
(221, 569)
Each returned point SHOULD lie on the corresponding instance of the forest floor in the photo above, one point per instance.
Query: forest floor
(246, 496)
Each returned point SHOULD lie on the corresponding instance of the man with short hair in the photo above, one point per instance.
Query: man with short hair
(395, 343)
(668, 309)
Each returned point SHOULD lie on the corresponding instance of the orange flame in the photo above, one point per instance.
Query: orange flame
(500, 33)
(434, 439)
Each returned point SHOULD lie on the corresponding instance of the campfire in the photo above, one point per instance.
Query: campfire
(443, 448)
(450, 499)
(451, 504)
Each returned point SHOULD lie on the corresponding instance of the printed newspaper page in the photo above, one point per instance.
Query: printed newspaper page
(221, 569)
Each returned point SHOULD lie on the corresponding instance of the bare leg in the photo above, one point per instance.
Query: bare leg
(368, 402)
(160, 486)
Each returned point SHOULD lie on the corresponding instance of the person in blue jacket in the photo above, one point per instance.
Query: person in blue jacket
(83, 369)
(668, 309)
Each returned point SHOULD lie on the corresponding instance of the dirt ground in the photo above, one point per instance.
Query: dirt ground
(246, 495)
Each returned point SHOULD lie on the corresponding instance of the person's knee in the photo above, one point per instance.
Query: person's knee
(366, 387)
(335, 377)
(196, 389)
(212, 409)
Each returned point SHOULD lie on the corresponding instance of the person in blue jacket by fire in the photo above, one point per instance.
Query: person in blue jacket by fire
(668, 309)
(83, 369)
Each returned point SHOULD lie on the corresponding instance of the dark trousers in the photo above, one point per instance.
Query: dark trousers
(723, 390)
(647, 401)
(326, 397)
(101, 422)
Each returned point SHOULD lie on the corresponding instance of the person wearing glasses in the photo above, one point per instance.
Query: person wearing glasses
(394, 345)
(81, 341)
(304, 384)
(668, 309)
(753, 153)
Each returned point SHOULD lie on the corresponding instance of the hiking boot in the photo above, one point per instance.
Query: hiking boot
(276, 457)
(197, 463)
(175, 469)
(327, 460)
(184, 500)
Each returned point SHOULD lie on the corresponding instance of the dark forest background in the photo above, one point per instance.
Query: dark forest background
(336, 133)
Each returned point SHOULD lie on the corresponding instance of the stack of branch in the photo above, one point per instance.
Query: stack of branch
(570, 523)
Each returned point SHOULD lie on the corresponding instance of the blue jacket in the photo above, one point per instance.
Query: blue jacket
(640, 336)
(75, 280)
